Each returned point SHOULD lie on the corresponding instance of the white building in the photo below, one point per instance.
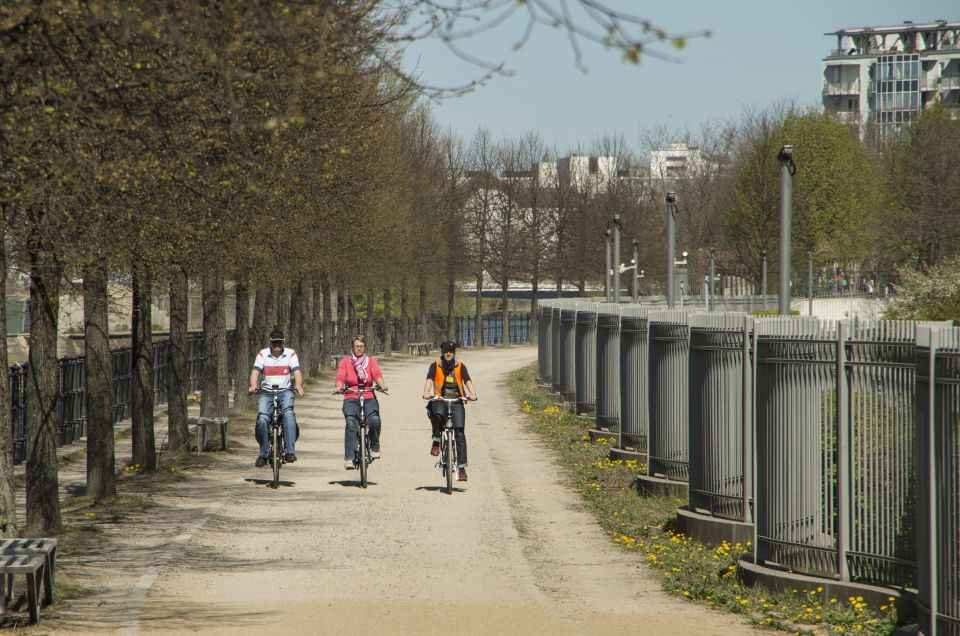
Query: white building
(676, 161)
(880, 78)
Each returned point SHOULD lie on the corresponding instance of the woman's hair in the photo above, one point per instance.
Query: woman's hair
(358, 339)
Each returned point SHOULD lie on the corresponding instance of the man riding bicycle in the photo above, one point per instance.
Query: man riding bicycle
(359, 370)
(275, 366)
(447, 377)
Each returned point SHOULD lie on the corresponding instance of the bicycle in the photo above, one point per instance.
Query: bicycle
(362, 457)
(275, 431)
(448, 442)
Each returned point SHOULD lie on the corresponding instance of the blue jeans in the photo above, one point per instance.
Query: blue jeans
(265, 414)
(438, 418)
(351, 414)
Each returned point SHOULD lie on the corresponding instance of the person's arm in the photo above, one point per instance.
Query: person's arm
(377, 373)
(471, 392)
(254, 380)
(298, 382)
(428, 389)
(341, 377)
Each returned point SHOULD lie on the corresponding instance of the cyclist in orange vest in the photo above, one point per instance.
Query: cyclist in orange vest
(448, 377)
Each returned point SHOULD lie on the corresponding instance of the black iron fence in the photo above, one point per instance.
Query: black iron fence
(72, 398)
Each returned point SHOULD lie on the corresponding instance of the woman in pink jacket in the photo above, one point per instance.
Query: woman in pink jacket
(359, 370)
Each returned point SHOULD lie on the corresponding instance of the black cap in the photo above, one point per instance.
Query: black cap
(276, 335)
(448, 345)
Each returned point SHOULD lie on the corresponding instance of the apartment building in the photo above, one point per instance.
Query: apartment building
(880, 78)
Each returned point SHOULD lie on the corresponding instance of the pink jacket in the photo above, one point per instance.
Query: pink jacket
(347, 375)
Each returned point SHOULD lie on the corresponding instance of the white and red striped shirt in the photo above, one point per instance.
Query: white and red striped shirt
(276, 370)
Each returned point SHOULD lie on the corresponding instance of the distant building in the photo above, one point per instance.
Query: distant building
(880, 78)
(676, 161)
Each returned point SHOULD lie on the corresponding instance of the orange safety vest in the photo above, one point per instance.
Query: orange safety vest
(439, 378)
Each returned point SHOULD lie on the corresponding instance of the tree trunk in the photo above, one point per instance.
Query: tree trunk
(178, 371)
(369, 331)
(43, 493)
(327, 345)
(343, 324)
(101, 458)
(8, 504)
(422, 335)
(283, 309)
(214, 393)
(505, 301)
(316, 320)
(141, 386)
(261, 321)
(478, 311)
(451, 290)
(241, 353)
(294, 331)
(404, 313)
(387, 324)
(533, 324)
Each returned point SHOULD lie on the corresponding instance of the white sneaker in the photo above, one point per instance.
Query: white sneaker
(374, 454)
(348, 465)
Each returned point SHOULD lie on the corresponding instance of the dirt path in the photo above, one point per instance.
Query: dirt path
(511, 551)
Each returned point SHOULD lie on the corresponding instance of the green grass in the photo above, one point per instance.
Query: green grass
(644, 527)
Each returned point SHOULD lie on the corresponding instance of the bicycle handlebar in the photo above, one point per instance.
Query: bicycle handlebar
(437, 398)
(358, 391)
(271, 391)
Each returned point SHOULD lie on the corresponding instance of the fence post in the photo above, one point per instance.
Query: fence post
(843, 452)
(753, 441)
(931, 462)
(747, 458)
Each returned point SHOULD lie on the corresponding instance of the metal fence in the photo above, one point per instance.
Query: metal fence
(669, 348)
(72, 397)
(585, 364)
(518, 329)
(608, 367)
(938, 495)
(634, 374)
(720, 415)
(544, 343)
(853, 427)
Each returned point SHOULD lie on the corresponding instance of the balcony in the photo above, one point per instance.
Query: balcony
(949, 82)
(851, 87)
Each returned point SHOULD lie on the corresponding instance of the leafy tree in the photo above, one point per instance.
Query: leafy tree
(923, 169)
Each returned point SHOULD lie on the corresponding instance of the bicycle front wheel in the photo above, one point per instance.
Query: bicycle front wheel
(364, 458)
(449, 461)
(275, 456)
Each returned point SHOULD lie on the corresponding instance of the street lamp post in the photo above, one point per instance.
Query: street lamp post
(636, 270)
(671, 244)
(787, 170)
(609, 272)
(809, 282)
(713, 273)
(616, 258)
(763, 277)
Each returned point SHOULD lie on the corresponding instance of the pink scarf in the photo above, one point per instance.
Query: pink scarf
(360, 365)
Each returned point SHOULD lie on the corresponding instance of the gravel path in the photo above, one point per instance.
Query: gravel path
(510, 551)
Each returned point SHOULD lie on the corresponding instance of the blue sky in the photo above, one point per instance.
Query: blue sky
(760, 52)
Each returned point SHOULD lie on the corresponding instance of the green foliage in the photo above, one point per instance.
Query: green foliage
(924, 174)
(931, 295)
(836, 189)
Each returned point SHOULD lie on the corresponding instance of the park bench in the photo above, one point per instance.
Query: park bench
(34, 567)
(202, 424)
(418, 348)
(42, 546)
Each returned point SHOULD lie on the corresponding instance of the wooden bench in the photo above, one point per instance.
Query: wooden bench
(30, 565)
(418, 348)
(42, 546)
(202, 423)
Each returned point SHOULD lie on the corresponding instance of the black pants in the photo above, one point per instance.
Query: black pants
(438, 420)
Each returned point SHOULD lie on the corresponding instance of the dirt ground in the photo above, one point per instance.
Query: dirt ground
(511, 551)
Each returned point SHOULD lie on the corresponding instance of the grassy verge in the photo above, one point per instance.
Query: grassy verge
(644, 527)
